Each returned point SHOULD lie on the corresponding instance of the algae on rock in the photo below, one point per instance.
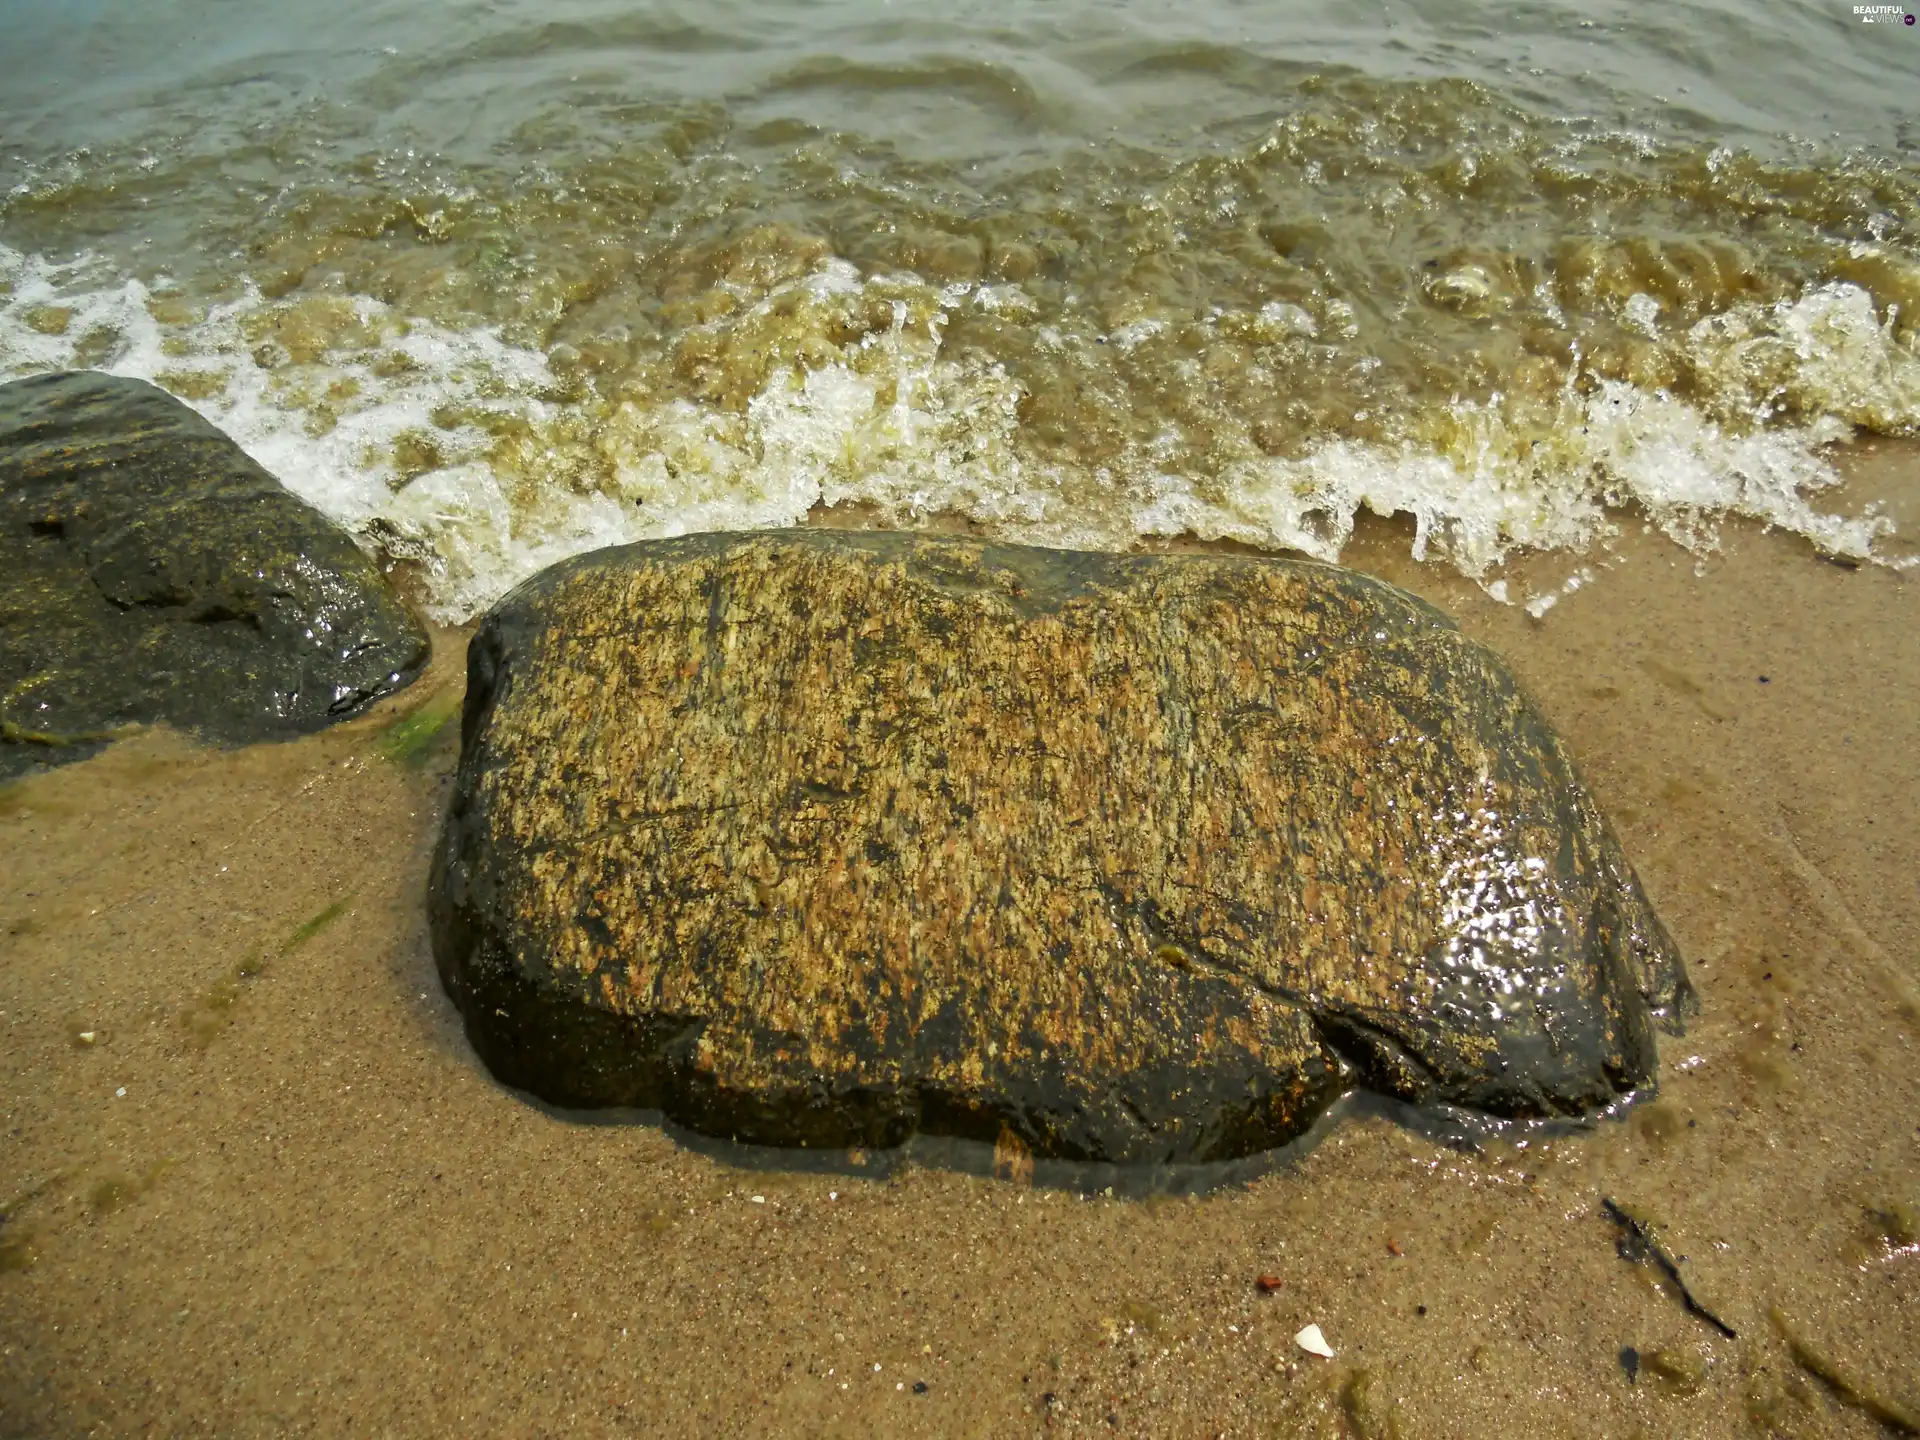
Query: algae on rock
(818, 838)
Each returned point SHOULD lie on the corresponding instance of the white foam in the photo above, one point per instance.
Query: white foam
(1492, 493)
(321, 389)
(392, 375)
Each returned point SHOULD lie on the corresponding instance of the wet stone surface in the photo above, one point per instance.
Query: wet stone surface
(821, 838)
(151, 572)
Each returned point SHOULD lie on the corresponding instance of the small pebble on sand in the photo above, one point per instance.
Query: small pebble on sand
(1313, 1342)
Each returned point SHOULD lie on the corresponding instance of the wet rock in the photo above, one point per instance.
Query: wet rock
(151, 572)
(817, 838)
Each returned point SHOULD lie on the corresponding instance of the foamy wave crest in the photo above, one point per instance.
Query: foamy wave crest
(481, 461)
(325, 394)
(1483, 479)
(473, 458)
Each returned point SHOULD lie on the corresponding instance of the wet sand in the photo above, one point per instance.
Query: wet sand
(274, 1193)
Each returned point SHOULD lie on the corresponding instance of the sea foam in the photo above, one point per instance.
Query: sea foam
(483, 461)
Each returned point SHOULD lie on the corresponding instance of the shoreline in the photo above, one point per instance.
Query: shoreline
(313, 1211)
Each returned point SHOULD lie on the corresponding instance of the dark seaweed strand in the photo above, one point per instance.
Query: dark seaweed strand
(1638, 1246)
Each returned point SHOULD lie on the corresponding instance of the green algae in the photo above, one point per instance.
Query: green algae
(408, 740)
(213, 1012)
(659, 1220)
(1370, 1416)
(18, 1248)
(1679, 1372)
(1783, 1406)
(318, 923)
(1659, 1124)
(112, 1193)
(1477, 1234)
(117, 1190)
(1850, 1388)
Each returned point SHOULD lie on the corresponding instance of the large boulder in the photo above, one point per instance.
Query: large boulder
(817, 838)
(151, 572)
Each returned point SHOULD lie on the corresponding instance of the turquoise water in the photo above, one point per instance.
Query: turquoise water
(496, 282)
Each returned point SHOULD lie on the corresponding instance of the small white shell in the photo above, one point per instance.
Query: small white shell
(1313, 1342)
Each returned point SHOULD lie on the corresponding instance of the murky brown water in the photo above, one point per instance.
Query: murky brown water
(496, 283)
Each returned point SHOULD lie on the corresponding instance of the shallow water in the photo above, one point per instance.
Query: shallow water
(494, 283)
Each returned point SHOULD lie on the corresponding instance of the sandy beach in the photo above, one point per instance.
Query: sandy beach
(255, 1182)
(492, 284)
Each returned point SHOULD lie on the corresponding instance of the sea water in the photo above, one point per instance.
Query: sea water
(493, 283)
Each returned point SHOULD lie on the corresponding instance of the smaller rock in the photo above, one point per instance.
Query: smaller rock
(1314, 1343)
(1675, 1370)
(152, 572)
(1012, 1158)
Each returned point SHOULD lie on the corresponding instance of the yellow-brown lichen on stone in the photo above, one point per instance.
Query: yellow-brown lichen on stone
(819, 838)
